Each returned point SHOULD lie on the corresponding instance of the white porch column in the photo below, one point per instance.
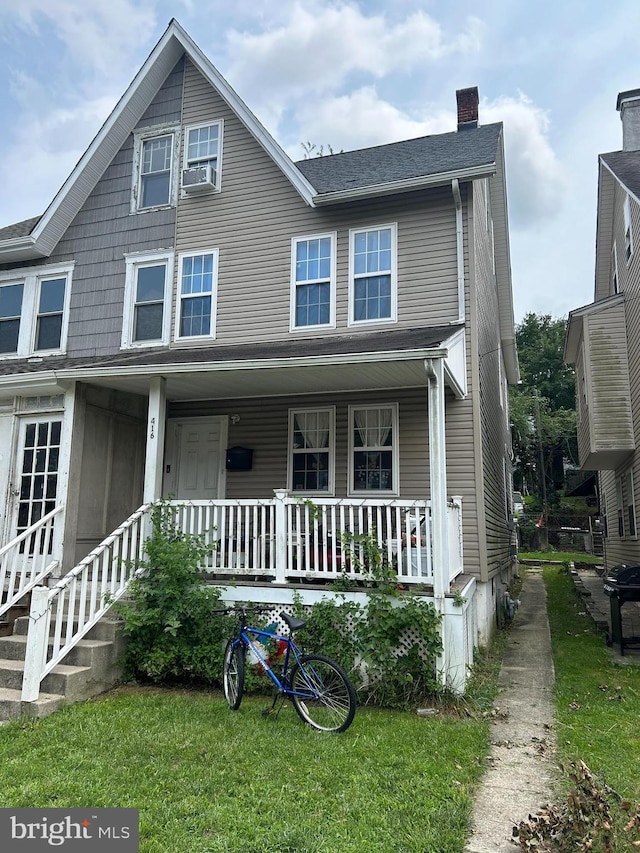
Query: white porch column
(438, 485)
(281, 535)
(156, 419)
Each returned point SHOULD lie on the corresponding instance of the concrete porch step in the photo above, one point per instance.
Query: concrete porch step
(84, 653)
(64, 680)
(105, 629)
(12, 707)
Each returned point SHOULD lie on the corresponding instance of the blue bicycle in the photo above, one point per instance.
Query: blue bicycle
(319, 689)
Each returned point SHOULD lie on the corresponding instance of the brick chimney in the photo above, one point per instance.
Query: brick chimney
(467, 107)
(628, 106)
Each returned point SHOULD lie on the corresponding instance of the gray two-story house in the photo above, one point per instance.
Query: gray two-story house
(289, 351)
(603, 341)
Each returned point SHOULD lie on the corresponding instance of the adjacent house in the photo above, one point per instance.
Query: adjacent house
(603, 342)
(287, 350)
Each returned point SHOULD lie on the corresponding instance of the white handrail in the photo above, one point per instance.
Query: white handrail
(26, 561)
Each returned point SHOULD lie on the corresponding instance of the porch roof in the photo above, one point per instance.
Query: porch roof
(363, 361)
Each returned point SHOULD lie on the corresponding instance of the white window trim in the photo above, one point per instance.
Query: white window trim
(394, 274)
(133, 262)
(615, 278)
(333, 236)
(214, 296)
(330, 492)
(620, 508)
(31, 277)
(628, 230)
(185, 150)
(395, 449)
(141, 136)
(630, 500)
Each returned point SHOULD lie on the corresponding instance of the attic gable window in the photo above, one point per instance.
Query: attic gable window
(372, 275)
(202, 149)
(34, 311)
(154, 172)
(146, 317)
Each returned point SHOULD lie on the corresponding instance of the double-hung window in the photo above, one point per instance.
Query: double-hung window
(197, 284)
(146, 309)
(34, 311)
(154, 173)
(313, 277)
(311, 443)
(373, 446)
(203, 148)
(372, 275)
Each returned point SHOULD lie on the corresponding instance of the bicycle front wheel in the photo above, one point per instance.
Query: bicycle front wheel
(324, 697)
(233, 674)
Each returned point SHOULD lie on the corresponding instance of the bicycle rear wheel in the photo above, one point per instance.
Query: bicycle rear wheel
(233, 674)
(328, 702)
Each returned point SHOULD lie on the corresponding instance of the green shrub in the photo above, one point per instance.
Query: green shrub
(172, 632)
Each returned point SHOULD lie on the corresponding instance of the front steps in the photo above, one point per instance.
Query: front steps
(90, 668)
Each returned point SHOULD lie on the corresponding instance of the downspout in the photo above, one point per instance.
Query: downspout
(434, 369)
(457, 199)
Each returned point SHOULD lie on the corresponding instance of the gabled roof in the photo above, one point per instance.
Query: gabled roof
(401, 166)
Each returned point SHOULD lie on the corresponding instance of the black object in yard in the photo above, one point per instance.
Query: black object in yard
(621, 584)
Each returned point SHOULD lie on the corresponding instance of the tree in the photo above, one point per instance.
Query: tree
(543, 408)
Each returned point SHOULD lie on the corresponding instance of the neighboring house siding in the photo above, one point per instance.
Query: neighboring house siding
(582, 405)
(103, 231)
(493, 404)
(257, 213)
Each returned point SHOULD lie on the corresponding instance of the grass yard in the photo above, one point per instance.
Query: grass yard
(560, 557)
(597, 701)
(207, 779)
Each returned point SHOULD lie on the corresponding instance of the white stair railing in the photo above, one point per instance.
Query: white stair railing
(80, 599)
(26, 561)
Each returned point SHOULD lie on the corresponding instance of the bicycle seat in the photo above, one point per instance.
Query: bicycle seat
(293, 623)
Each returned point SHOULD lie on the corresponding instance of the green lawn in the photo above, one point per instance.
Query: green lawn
(207, 779)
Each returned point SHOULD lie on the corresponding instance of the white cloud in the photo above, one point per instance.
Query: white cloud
(100, 33)
(319, 45)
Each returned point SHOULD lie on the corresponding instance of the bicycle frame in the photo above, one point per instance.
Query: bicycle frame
(292, 649)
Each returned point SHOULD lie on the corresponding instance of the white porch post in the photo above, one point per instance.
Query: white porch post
(438, 484)
(155, 439)
(281, 535)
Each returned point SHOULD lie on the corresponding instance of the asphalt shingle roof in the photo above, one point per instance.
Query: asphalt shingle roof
(19, 229)
(626, 166)
(411, 158)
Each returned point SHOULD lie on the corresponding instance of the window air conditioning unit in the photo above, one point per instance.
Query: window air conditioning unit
(198, 179)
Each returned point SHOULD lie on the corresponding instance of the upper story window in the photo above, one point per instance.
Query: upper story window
(147, 308)
(311, 443)
(372, 265)
(195, 311)
(628, 235)
(154, 173)
(615, 282)
(202, 149)
(373, 446)
(313, 278)
(34, 311)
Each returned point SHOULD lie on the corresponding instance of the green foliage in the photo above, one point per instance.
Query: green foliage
(171, 630)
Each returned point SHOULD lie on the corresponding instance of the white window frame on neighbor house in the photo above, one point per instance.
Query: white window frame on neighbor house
(628, 231)
(214, 159)
(615, 280)
(620, 507)
(298, 279)
(360, 275)
(149, 135)
(630, 505)
(32, 311)
(355, 412)
(329, 449)
(134, 263)
(183, 298)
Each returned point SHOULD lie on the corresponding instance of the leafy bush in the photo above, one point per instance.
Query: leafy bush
(172, 632)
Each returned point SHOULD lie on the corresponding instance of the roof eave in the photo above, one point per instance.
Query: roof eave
(405, 185)
(21, 249)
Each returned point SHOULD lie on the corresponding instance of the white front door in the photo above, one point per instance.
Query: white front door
(35, 480)
(195, 458)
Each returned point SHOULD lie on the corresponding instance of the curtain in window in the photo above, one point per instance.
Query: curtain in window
(314, 429)
(373, 427)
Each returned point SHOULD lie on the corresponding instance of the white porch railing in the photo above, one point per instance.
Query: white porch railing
(26, 561)
(79, 600)
(272, 539)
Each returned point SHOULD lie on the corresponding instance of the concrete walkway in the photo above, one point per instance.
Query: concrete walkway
(522, 769)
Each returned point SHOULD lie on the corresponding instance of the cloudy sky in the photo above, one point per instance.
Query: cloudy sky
(348, 75)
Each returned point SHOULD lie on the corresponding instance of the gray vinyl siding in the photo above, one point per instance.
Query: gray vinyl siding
(254, 218)
(496, 441)
(103, 231)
